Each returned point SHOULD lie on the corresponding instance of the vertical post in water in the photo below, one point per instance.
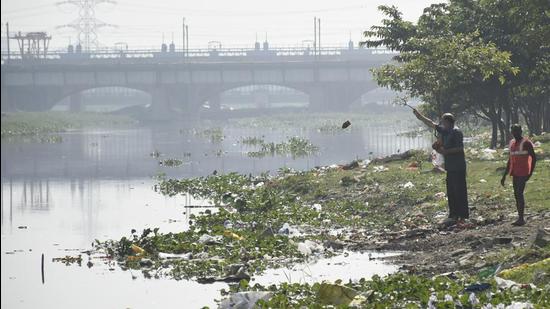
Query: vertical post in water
(319, 34)
(314, 35)
(183, 36)
(8, 39)
(42, 268)
(187, 40)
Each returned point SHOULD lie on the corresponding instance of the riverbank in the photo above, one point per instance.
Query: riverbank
(389, 204)
(29, 124)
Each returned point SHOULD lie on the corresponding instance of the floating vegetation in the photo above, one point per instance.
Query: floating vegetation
(171, 162)
(271, 221)
(324, 122)
(40, 123)
(396, 291)
(215, 135)
(252, 141)
(295, 147)
(155, 154)
(69, 260)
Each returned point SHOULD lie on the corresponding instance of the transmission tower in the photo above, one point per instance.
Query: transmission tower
(86, 25)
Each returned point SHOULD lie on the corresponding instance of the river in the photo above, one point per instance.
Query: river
(57, 198)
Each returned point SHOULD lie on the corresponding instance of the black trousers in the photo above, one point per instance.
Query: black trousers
(519, 186)
(457, 195)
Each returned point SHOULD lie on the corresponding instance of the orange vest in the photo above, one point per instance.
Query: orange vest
(520, 160)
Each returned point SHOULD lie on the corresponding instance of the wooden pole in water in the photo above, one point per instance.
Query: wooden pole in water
(8, 39)
(42, 268)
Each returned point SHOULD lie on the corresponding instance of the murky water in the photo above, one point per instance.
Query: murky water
(97, 184)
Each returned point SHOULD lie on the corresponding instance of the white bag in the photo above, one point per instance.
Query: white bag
(438, 160)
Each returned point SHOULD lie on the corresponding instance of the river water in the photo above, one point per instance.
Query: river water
(57, 198)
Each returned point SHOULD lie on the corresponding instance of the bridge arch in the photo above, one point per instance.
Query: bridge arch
(256, 96)
(103, 98)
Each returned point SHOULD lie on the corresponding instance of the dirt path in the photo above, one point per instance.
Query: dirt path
(467, 248)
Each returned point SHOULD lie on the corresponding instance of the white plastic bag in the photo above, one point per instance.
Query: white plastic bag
(438, 160)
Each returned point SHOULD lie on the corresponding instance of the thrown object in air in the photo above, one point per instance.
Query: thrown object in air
(346, 124)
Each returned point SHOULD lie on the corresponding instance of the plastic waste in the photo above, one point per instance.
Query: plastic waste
(208, 240)
(307, 247)
(228, 225)
(380, 168)
(137, 250)
(232, 235)
(244, 300)
(172, 256)
(335, 294)
(487, 154)
(504, 284)
(438, 160)
(440, 195)
(488, 272)
(407, 185)
(286, 229)
(432, 301)
(477, 287)
(473, 299)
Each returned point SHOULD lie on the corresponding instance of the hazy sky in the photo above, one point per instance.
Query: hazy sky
(235, 23)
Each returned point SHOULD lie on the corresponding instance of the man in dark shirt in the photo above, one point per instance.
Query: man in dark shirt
(452, 149)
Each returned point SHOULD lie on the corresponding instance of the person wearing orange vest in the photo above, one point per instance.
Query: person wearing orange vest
(521, 165)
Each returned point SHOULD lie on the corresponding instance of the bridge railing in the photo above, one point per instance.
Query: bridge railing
(191, 55)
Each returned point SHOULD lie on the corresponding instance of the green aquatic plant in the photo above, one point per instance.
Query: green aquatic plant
(214, 135)
(295, 147)
(40, 123)
(171, 162)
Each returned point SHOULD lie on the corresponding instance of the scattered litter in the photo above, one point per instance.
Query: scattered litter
(316, 207)
(439, 195)
(22, 227)
(336, 294)
(232, 235)
(478, 287)
(482, 180)
(487, 154)
(244, 300)
(286, 229)
(407, 185)
(228, 225)
(209, 240)
(308, 247)
(438, 160)
(504, 283)
(137, 250)
(172, 256)
(473, 299)
(488, 272)
(380, 168)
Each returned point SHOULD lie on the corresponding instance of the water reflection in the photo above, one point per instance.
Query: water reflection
(96, 184)
(126, 153)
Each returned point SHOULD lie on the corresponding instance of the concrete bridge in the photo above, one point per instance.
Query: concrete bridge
(181, 82)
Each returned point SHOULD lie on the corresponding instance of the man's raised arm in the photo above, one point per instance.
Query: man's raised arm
(424, 119)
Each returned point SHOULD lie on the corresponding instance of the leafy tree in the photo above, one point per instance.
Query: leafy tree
(489, 58)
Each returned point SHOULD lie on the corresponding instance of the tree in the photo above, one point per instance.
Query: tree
(485, 57)
(449, 71)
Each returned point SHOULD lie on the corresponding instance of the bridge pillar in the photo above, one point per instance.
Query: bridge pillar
(261, 98)
(332, 98)
(75, 102)
(215, 102)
